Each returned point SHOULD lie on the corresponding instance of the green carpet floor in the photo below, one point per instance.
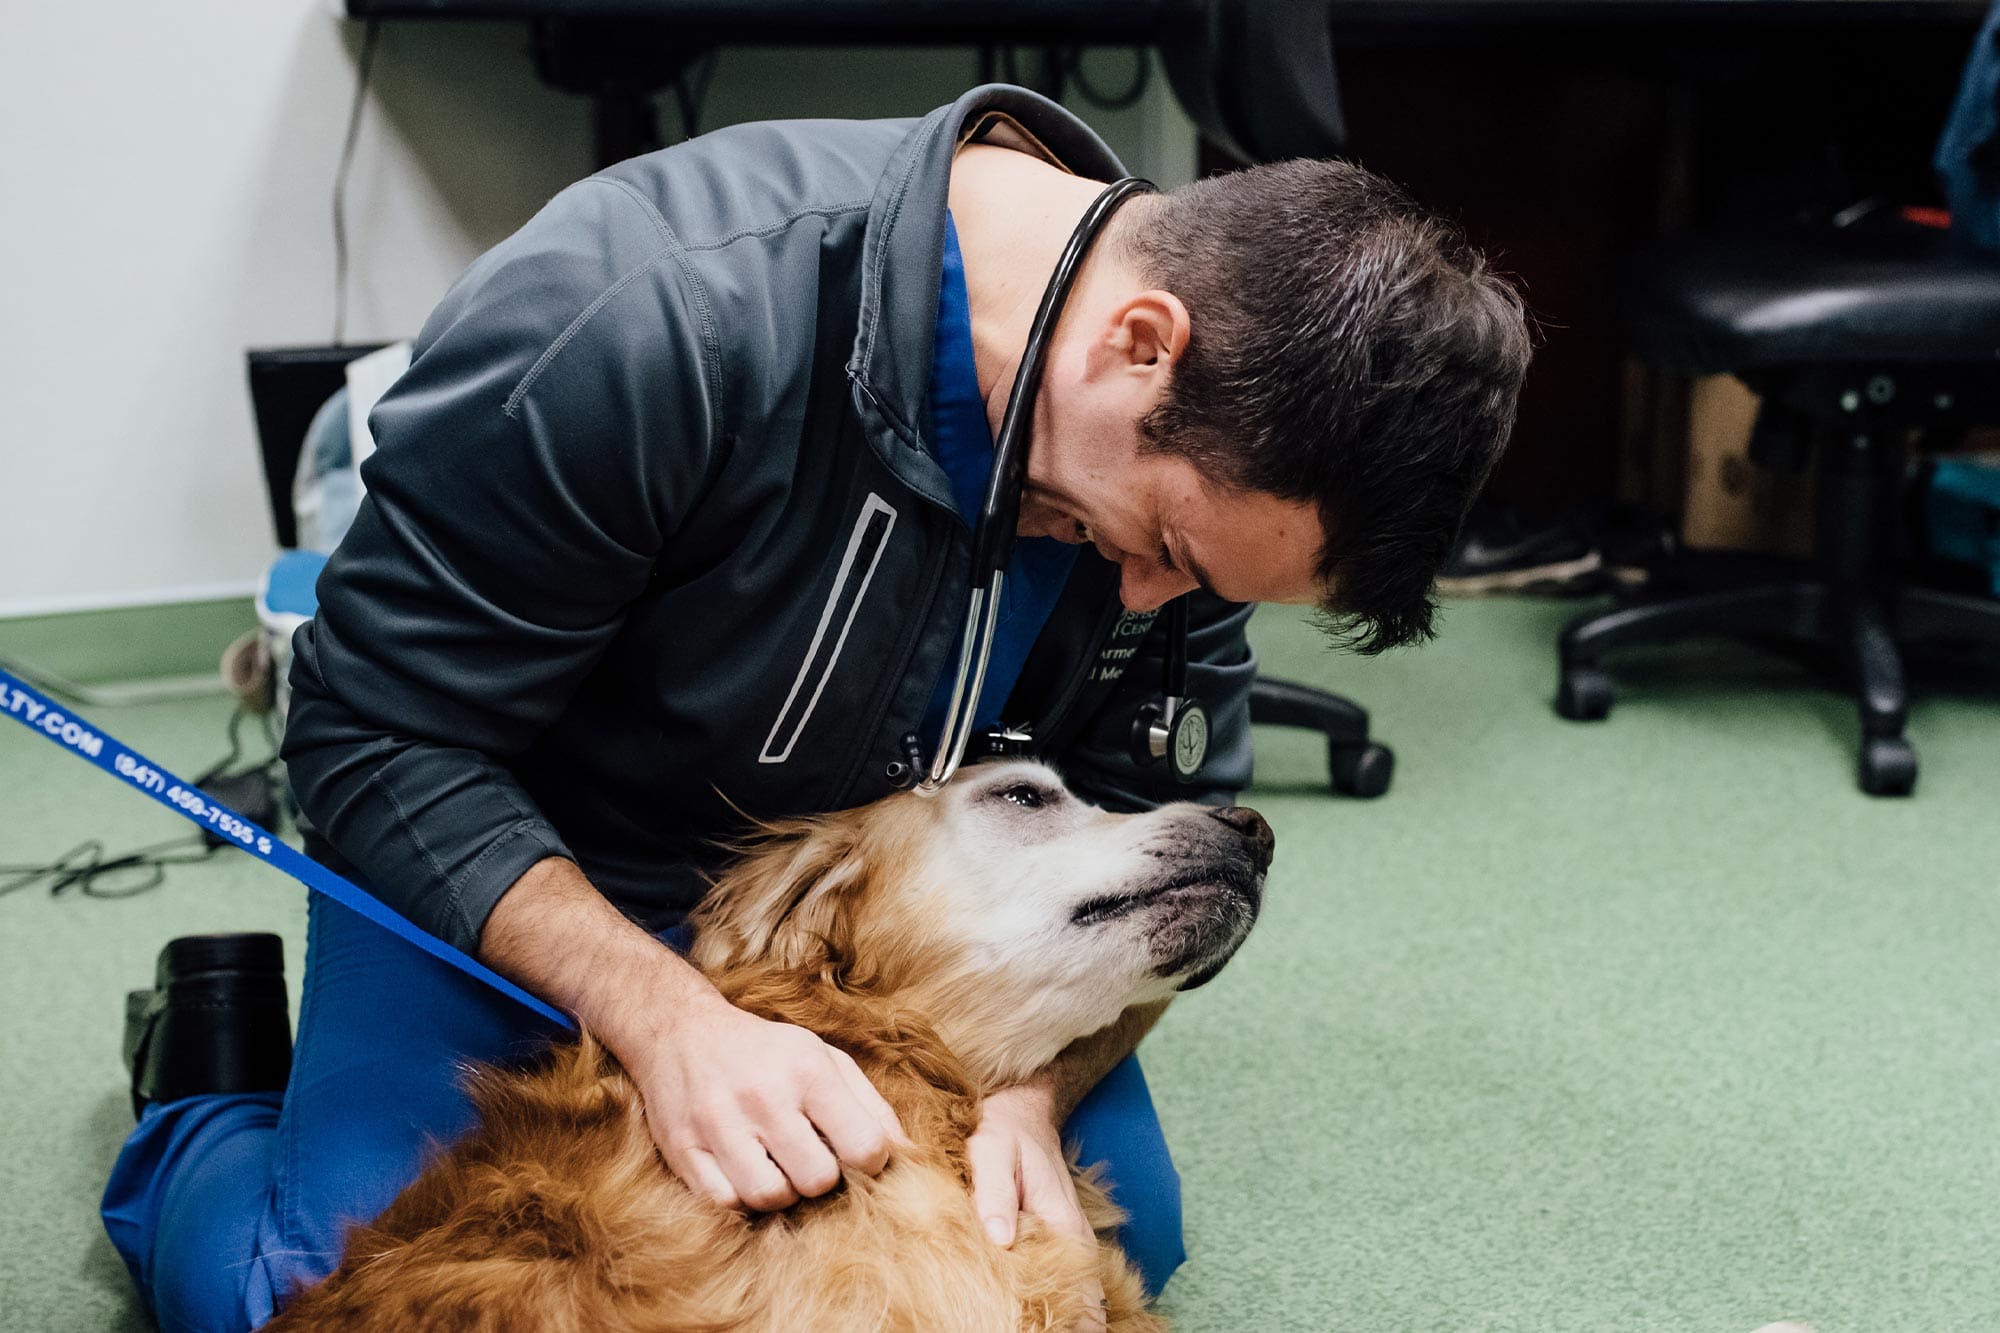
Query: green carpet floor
(1651, 1025)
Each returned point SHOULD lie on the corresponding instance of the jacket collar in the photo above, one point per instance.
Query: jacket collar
(902, 255)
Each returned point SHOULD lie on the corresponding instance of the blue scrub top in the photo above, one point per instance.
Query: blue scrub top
(963, 443)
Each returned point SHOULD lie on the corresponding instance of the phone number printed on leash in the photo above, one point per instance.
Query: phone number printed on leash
(148, 778)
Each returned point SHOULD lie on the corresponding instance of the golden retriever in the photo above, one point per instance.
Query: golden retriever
(950, 946)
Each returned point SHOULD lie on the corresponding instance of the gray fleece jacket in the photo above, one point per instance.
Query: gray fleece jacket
(652, 523)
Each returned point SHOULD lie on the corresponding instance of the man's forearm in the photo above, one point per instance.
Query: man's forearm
(1083, 1064)
(556, 935)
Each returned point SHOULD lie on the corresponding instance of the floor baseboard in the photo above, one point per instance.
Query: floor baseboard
(126, 654)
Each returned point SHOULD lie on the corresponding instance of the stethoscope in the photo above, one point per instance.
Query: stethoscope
(1175, 727)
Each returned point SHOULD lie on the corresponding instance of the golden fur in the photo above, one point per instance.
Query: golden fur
(557, 1213)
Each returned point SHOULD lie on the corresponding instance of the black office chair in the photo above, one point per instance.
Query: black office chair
(1856, 339)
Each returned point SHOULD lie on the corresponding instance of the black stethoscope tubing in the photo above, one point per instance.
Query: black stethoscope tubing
(1000, 512)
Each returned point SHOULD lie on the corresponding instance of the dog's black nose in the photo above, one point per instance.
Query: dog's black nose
(1252, 826)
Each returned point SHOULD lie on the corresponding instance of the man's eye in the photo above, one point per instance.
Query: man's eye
(1028, 798)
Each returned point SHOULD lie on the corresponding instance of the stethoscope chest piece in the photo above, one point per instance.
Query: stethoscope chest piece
(1189, 744)
(1175, 730)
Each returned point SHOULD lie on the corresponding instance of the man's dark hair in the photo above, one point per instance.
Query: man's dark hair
(1348, 349)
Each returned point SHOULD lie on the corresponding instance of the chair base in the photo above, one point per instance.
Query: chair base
(1863, 629)
(1356, 765)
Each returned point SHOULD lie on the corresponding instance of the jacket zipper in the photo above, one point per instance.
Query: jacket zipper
(1044, 728)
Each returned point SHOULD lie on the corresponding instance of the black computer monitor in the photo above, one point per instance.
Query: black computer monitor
(287, 386)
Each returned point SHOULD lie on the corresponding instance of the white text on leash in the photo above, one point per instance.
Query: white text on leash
(67, 730)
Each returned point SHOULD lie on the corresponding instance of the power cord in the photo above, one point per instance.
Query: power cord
(363, 65)
(86, 869)
(251, 791)
(691, 92)
(1135, 88)
(221, 767)
(1063, 69)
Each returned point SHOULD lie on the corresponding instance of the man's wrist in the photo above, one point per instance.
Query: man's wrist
(1042, 1082)
(646, 1001)
(1034, 1095)
(553, 932)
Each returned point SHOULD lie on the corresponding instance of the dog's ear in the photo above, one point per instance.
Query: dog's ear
(785, 902)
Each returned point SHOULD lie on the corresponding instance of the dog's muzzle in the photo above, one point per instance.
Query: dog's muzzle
(1202, 908)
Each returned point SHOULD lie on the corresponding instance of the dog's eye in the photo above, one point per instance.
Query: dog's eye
(1023, 795)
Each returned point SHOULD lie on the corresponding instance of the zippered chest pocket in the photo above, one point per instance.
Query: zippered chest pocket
(865, 544)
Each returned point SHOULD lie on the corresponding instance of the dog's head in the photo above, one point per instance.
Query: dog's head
(1005, 911)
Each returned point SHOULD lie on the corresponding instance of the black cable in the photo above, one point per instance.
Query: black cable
(1061, 68)
(86, 868)
(1142, 78)
(235, 748)
(221, 767)
(1051, 71)
(1056, 70)
(691, 96)
(362, 67)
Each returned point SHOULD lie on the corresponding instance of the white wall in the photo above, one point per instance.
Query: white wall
(167, 188)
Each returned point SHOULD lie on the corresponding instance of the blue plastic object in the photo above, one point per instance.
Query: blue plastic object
(1962, 516)
(289, 585)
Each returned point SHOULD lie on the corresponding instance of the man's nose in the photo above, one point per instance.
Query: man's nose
(1253, 828)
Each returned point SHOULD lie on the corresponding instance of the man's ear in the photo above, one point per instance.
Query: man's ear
(784, 902)
(1153, 328)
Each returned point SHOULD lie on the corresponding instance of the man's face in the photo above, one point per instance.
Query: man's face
(1167, 528)
(1169, 531)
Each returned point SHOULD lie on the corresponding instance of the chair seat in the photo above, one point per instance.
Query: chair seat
(1715, 303)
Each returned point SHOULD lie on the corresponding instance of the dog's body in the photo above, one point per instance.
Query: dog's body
(560, 1202)
(557, 1213)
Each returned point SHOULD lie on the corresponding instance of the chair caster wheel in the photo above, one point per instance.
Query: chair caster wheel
(1888, 766)
(1584, 694)
(1360, 770)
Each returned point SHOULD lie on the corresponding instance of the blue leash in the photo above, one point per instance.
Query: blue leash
(34, 710)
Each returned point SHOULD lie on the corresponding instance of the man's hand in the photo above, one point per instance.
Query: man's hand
(1018, 1167)
(756, 1114)
(747, 1112)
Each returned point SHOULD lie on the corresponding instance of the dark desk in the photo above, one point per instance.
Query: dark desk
(621, 52)
(877, 21)
(1427, 17)
(871, 22)
(1562, 132)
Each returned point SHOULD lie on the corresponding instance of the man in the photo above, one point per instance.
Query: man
(668, 516)
(1967, 159)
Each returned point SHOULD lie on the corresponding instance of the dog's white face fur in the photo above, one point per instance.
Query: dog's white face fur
(1007, 912)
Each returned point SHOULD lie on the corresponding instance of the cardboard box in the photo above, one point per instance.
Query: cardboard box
(1730, 502)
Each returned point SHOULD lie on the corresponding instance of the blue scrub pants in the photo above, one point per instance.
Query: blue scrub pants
(223, 1205)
